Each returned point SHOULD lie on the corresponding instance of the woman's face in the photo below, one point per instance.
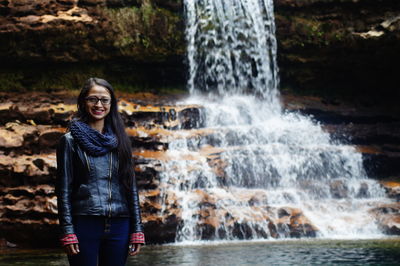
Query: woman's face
(98, 102)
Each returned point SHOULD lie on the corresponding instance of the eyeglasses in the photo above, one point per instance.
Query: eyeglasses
(94, 100)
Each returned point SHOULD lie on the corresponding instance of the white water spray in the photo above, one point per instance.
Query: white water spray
(255, 164)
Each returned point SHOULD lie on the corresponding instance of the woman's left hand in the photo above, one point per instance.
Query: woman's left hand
(134, 249)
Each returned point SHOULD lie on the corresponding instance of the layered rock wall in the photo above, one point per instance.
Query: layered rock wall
(29, 132)
(30, 127)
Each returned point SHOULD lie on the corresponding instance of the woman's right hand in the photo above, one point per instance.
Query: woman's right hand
(71, 249)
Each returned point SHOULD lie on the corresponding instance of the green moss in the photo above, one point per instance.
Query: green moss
(10, 81)
(146, 33)
(124, 76)
(66, 78)
(148, 13)
(309, 31)
(123, 21)
(123, 87)
(43, 78)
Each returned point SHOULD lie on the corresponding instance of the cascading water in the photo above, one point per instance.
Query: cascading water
(254, 164)
(232, 48)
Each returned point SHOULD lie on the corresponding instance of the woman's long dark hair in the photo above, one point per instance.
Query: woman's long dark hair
(114, 119)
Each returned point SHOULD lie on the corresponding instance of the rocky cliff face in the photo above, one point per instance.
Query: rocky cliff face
(348, 47)
(30, 127)
(58, 44)
(326, 47)
(80, 31)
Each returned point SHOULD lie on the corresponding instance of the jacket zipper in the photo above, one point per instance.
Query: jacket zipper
(87, 160)
(109, 184)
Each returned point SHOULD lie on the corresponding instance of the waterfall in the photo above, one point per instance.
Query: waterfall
(232, 48)
(253, 165)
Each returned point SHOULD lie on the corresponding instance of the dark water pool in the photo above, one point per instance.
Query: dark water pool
(299, 252)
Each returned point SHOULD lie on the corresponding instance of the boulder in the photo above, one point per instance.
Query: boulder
(292, 222)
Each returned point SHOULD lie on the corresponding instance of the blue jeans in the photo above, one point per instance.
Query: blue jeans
(102, 241)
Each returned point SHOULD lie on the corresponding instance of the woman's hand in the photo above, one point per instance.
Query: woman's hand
(134, 249)
(71, 249)
(70, 244)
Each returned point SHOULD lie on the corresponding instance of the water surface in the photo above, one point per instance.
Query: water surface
(291, 252)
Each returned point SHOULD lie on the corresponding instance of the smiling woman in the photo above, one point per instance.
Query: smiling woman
(98, 104)
(97, 198)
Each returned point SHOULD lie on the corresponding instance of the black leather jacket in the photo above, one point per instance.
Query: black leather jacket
(88, 185)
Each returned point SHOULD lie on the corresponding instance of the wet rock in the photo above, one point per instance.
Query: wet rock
(242, 231)
(168, 227)
(338, 189)
(363, 192)
(158, 218)
(147, 175)
(206, 231)
(192, 118)
(391, 225)
(392, 189)
(293, 223)
(388, 218)
(150, 201)
(258, 200)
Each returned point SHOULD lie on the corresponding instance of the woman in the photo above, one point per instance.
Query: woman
(97, 198)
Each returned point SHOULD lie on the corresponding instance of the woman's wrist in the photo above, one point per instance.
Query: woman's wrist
(137, 238)
(69, 239)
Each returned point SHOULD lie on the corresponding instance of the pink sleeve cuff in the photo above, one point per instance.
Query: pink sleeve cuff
(69, 239)
(137, 238)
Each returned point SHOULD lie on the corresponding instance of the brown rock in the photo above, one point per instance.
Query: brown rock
(392, 189)
(31, 166)
(388, 217)
(293, 223)
(49, 137)
(10, 139)
(25, 204)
